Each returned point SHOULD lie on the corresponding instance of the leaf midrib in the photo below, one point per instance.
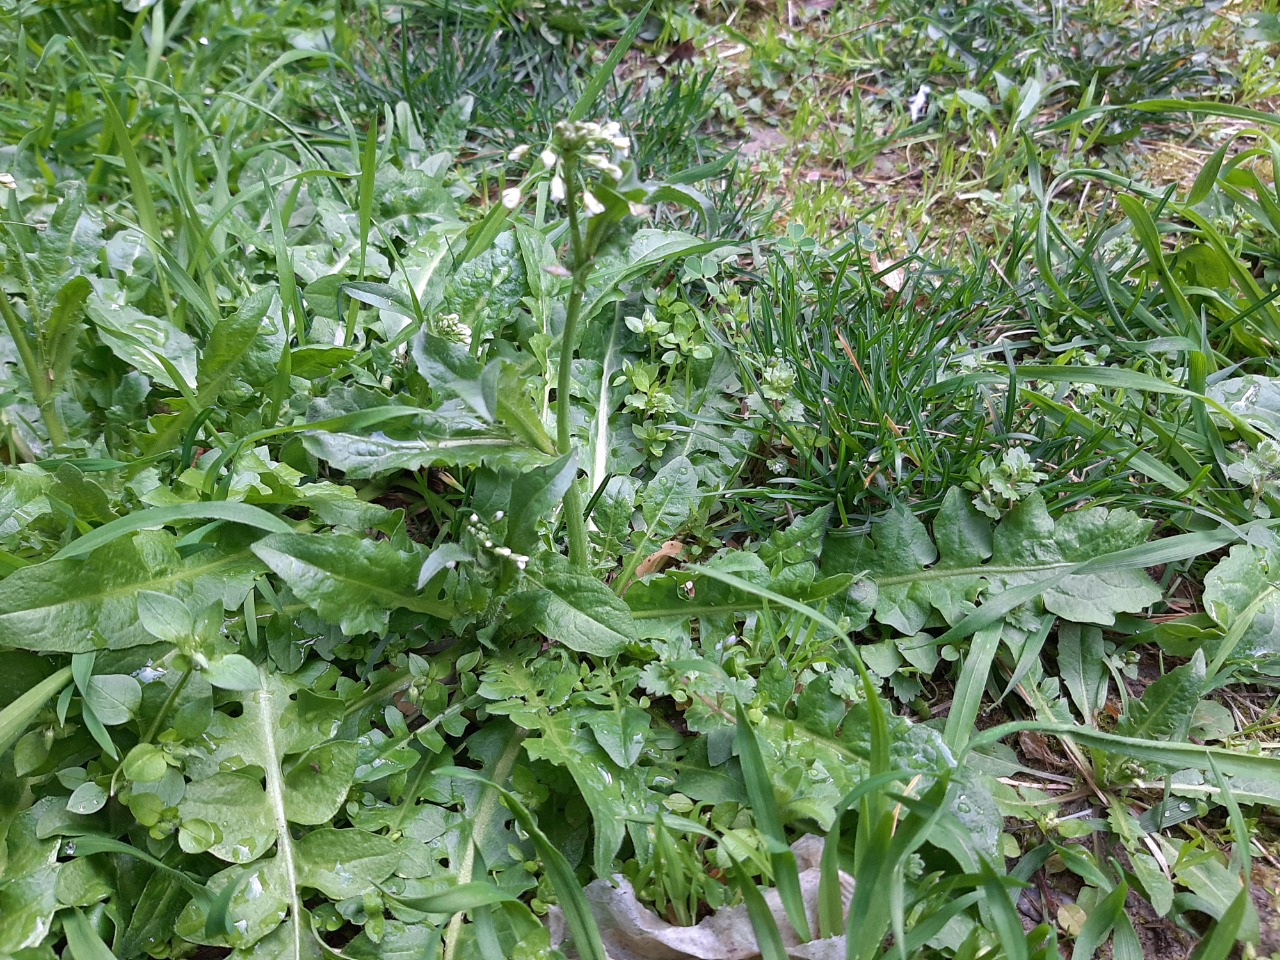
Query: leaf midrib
(182, 573)
(982, 570)
(379, 590)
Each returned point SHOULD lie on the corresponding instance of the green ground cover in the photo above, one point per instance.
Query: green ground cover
(525, 479)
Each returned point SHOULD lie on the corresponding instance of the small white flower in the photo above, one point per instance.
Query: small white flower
(519, 153)
(450, 327)
(511, 197)
(916, 106)
(638, 209)
(593, 206)
(557, 188)
(8, 182)
(549, 159)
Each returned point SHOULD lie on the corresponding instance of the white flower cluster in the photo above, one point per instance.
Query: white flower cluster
(480, 530)
(598, 146)
(449, 326)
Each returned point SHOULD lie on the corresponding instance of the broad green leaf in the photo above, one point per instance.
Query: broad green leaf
(145, 763)
(84, 882)
(114, 698)
(237, 808)
(154, 916)
(1254, 399)
(79, 605)
(534, 495)
(166, 618)
(87, 500)
(232, 671)
(316, 786)
(1083, 669)
(362, 457)
(667, 502)
(612, 793)
(621, 732)
(801, 540)
(1244, 601)
(1087, 567)
(580, 612)
(669, 499)
(1157, 886)
(897, 553)
(486, 290)
(233, 348)
(28, 883)
(254, 907)
(139, 339)
(87, 798)
(451, 371)
(348, 579)
(1164, 712)
(344, 863)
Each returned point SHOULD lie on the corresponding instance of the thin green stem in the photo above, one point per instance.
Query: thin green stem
(481, 822)
(168, 705)
(41, 386)
(575, 522)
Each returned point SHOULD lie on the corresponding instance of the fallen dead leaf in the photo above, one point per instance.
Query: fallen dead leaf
(895, 279)
(660, 559)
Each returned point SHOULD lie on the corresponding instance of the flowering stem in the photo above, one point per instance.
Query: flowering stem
(575, 523)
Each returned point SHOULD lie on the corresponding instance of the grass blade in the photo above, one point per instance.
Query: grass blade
(1179, 756)
(464, 896)
(1221, 940)
(830, 896)
(764, 806)
(768, 938)
(587, 101)
(1100, 923)
(83, 941)
(577, 913)
(969, 688)
(233, 512)
(17, 716)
